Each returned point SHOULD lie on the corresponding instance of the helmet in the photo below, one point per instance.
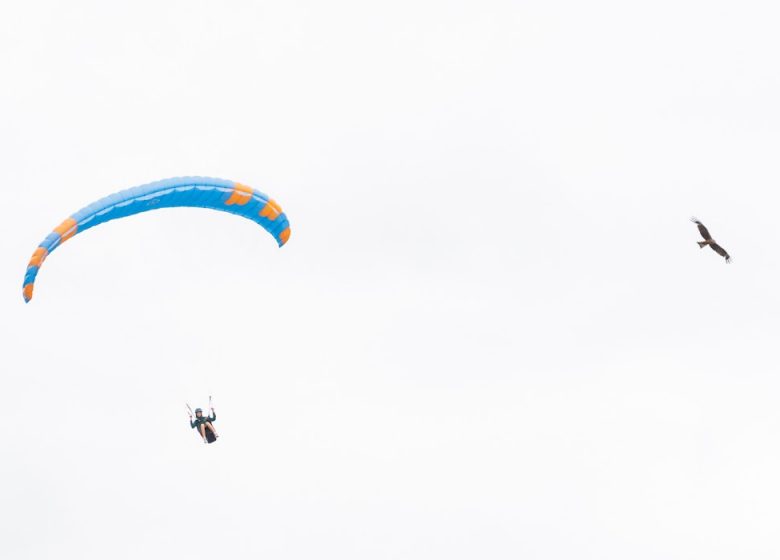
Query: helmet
(198, 410)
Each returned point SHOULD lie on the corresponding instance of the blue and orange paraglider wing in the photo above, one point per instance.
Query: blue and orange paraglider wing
(197, 192)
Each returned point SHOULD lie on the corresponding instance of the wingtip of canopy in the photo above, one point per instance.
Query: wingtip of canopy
(284, 236)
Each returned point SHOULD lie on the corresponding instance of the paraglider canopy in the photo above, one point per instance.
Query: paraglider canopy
(197, 192)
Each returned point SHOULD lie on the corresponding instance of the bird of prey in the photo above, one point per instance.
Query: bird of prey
(708, 240)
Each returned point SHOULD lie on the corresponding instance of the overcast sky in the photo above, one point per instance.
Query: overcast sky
(491, 334)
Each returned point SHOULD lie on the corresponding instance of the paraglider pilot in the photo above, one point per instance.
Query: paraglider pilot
(204, 423)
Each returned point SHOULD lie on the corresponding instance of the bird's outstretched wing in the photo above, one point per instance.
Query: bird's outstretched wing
(703, 230)
(721, 251)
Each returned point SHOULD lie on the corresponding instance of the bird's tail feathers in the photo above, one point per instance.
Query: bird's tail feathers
(702, 244)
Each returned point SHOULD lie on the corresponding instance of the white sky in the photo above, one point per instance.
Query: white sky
(491, 334)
